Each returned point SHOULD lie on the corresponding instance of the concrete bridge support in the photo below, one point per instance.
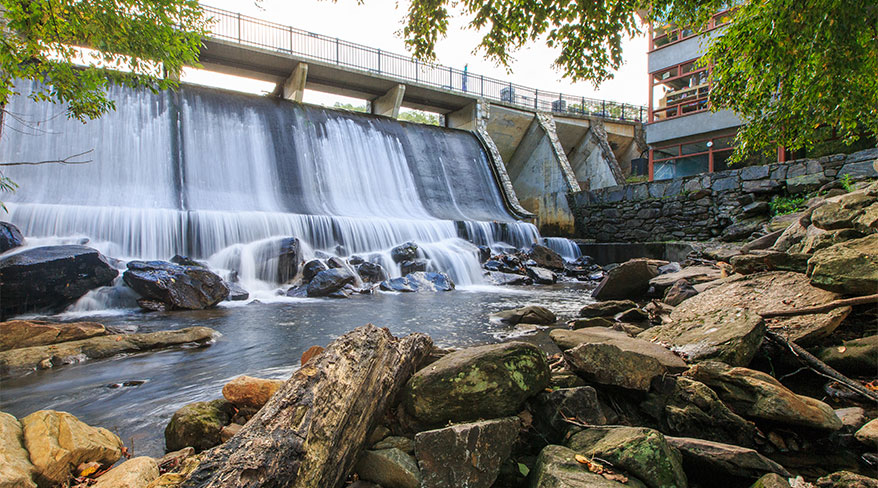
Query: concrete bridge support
(294, 86)
(389, 103)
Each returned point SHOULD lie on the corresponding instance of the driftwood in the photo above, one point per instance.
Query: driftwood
(826, 307)
(312, 430)
(820, 367)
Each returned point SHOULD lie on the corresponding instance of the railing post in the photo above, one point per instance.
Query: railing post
(336, 52)
(379, 61)
(291, 39)
(482, 89)
(623, 111)
(416, 70)
(239, 27)
(450, 79)
(604, 108)
(536, 97)
(582, 106)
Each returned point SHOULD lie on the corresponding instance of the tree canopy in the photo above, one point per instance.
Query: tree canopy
(790, 69)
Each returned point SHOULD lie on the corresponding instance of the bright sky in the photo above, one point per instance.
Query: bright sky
(376, 22)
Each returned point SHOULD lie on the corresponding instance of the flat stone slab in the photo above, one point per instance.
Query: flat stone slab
(694, 274)
(568, 339)
(725, 458)
(16, 334)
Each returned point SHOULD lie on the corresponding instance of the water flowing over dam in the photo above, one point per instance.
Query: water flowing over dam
(213, 174)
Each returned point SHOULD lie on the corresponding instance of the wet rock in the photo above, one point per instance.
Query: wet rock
(606, 308)
(186, 261)
(371, 272)
(484, 254)
(404, 444)
(289, 255)
(412, 266)
(179, 287)
(757, 395)
(717, 459)
(506, 265)
(58, 442)
(547, 258)
(419, 281)
(550, 409)
(628, 280)
(854, 357)
(26, 333)
(16, 470)
(312, 268)
(390, 468)
(404, 252)
(229, 431)
(541, 276)
(50, 277)
(329, 281)
(10, 237)
(478, 382)
(688, 408)
(771, 480)
(246, 391)
(632, 315)
(134, 473)
(868, 434)
(335, 262)
(846, 479)
(679, 292)
(849, 267)
(693, 274)
(198, 425)
(27, 359)
(640, 451)
(501, 278)
(568, 339)
(557, 467)
(237, 292)
(592, 322)
(760, 261)
(607, 364)
(532, 314)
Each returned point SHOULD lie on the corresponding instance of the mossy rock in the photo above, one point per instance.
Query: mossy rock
(477, 383)
(197, 425)
(557, 467)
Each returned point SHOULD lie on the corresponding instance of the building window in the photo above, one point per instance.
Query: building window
(666, 35)
(691, 157)
(679, 90)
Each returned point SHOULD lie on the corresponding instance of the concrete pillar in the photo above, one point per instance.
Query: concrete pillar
(294, 86)
(389, 103)
(465, 118)
(593, 161)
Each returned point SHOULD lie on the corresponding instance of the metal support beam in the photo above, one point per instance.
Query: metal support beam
(389, 103)
(294, 86)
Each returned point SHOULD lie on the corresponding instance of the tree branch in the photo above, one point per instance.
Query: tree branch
(66, 160)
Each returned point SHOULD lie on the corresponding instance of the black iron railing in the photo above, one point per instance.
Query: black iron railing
(255, 32)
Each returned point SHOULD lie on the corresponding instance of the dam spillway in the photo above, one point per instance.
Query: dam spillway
(209, 173)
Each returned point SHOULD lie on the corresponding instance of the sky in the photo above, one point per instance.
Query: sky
(376, 22)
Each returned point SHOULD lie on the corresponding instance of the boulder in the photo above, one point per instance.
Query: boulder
(58, 442)
(771, 480)
(478, 382)
(507, 279)
(592, 322)
(26, 333)
(329, 281)
(679, 292)
(229, 431)
(179, 287)
(419, 281)
(134, 473)
(16, 470)
(312, 268)
(50, 277)
(547, 258)
(607, 364)
(693, 274)
(552, 408)
(371, 272)
(763, 242)
(856, 357)
(628, 280)
(531, 314)
(465, 454)
(557, 467)
(688, 408)
(724, 460)
(568, 339)
(805, 183)
(412, 266)
(849, 267)
(846, 479)
(868, 434)
(851, 417)
(757, 395)
(817, 239)
(742, 229)
(10, 237)
(606, 308)
(404, 444)
(186, 261)
(759, 261)
(399, 285)
(642, 452)
(404, 252)
(484, 254)
(289, 255)
(632, 315)
(198, 425)
(793, 235)
(541, 276)
(390, 468)
(246, 391)
(237, 292)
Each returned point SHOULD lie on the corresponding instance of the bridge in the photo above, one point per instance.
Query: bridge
(544, 144)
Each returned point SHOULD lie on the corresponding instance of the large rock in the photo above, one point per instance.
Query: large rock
(312, 268)
(817, 239)
(50, 277)
(58, 442)
(16, 470)
(628, 280)
(757, 395)
(771, 480)
(134, 473)
(371, 272)
(688, 408)
(640, 451)
(404, 252)
(246, 391)
(856, 357)
(679, 292)
(465, 454)
(568, 339)
(330, 281)
(547, 258)
(606, 308)
(759, 261)
(27, 333)
(725, 460)
(390, 468)
(289, 256)
(531, 314)
(419, 281)
(10, 237)
(509, 279)
(178, 287)
(868, 434)
(557, 467)
(43, 357)
(541, 276)
(478, 382)
(692, 274)
(551, 410)
(849, 267)
(607, 364)
(198, 425)
(846, 479)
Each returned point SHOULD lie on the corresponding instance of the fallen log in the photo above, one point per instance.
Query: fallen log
(312, 430)
(826, 307)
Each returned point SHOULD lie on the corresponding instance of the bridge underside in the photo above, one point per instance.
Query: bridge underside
(545, 156)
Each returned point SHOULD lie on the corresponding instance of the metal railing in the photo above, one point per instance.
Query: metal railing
(250, 31)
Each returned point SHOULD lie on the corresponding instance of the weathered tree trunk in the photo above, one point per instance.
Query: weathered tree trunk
(312, 430)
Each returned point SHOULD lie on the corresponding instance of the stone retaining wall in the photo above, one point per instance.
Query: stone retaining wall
(729, 203)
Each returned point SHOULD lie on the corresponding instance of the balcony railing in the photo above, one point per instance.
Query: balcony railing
(250, 31)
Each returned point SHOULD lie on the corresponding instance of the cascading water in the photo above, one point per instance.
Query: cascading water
(215, 175)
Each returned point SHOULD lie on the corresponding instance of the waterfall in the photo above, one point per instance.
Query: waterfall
(213, 174)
